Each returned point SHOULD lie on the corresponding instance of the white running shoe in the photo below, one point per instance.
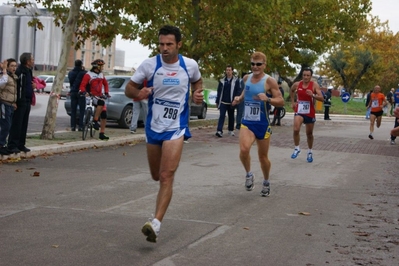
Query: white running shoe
(151, 230)
(265, 191)
(249, 182)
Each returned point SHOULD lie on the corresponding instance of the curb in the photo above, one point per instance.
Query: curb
(73, 146)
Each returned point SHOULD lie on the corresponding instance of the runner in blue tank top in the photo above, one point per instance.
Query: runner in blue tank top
(260, 91)
(170, 77)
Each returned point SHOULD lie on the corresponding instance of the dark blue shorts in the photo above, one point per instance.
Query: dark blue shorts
(307, 119)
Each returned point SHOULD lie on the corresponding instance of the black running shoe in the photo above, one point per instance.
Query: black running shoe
(103, 136)
(96, 125)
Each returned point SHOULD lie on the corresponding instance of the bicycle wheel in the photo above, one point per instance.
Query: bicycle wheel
(87, 123)
(92, 130)
(282, 112)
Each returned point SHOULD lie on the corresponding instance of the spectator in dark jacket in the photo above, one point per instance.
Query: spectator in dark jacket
(278, 110)
(240, 106)
(327, 103)
(77, 99)
(25, 92)
(229, 87)
(367, 104)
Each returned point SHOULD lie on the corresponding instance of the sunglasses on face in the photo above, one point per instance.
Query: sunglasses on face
(256, 64)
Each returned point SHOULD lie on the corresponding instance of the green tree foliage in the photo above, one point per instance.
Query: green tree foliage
(370, 60)
(217, 32)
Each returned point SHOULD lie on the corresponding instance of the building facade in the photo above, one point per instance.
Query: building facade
(17, 37)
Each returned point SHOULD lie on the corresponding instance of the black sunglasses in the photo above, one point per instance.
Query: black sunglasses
(256, 64)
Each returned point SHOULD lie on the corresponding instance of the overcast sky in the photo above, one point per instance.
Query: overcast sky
(135, 53)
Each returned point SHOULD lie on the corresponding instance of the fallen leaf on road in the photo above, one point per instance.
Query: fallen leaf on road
(246, 228)
(55, 246)
(35, 174)
(304, 213)
(361, 233)
(18, 170)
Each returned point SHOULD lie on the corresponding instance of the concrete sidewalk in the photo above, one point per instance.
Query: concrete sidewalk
(67, 141)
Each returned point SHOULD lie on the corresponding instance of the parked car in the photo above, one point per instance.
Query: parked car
(65, 87)
(198, 110)
(49, 79)
(119, 107)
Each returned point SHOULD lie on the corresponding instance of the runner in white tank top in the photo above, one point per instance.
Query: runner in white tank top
(169, 76)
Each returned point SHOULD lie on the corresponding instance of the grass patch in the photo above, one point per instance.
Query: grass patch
(353, 107)
(210, 83)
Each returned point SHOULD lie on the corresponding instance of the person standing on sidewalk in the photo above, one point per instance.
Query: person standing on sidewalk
(25, 93)
(8, 99)
(278, 110)
(75, 77)
(367, 104)
(395, 106)
(168, 75)
(260, 91)
(228, 88)
(138, 104)
(327, 103)
(307, 92)
(240, 106)
(390, 101)
(96, 84)
(377, 103)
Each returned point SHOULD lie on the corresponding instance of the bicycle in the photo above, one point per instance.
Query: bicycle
(273, 111)
(88, 118)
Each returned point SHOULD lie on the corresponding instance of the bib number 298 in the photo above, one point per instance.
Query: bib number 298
(170, 113)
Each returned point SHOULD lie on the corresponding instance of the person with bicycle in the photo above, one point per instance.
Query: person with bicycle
(95, 84)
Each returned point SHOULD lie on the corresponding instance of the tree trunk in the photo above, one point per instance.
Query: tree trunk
(52, 106)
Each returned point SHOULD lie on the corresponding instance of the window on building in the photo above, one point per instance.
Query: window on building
(93, 54)
(109, 61)
(83, 57)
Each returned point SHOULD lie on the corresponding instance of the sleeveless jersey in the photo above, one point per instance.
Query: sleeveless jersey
(377, 99)
(305, 103)
(255, 110)
(168, 107)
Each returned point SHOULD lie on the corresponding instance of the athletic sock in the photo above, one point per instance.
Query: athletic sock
(249, 174)
(309, 150)
(156, 222)
(297, 148)
(266, 182)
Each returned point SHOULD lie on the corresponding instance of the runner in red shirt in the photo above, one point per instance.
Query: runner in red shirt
(306, 92)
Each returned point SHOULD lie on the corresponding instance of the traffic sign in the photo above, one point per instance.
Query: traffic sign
(345, 97)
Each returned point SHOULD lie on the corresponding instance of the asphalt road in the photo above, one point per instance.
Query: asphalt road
(87, 207)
